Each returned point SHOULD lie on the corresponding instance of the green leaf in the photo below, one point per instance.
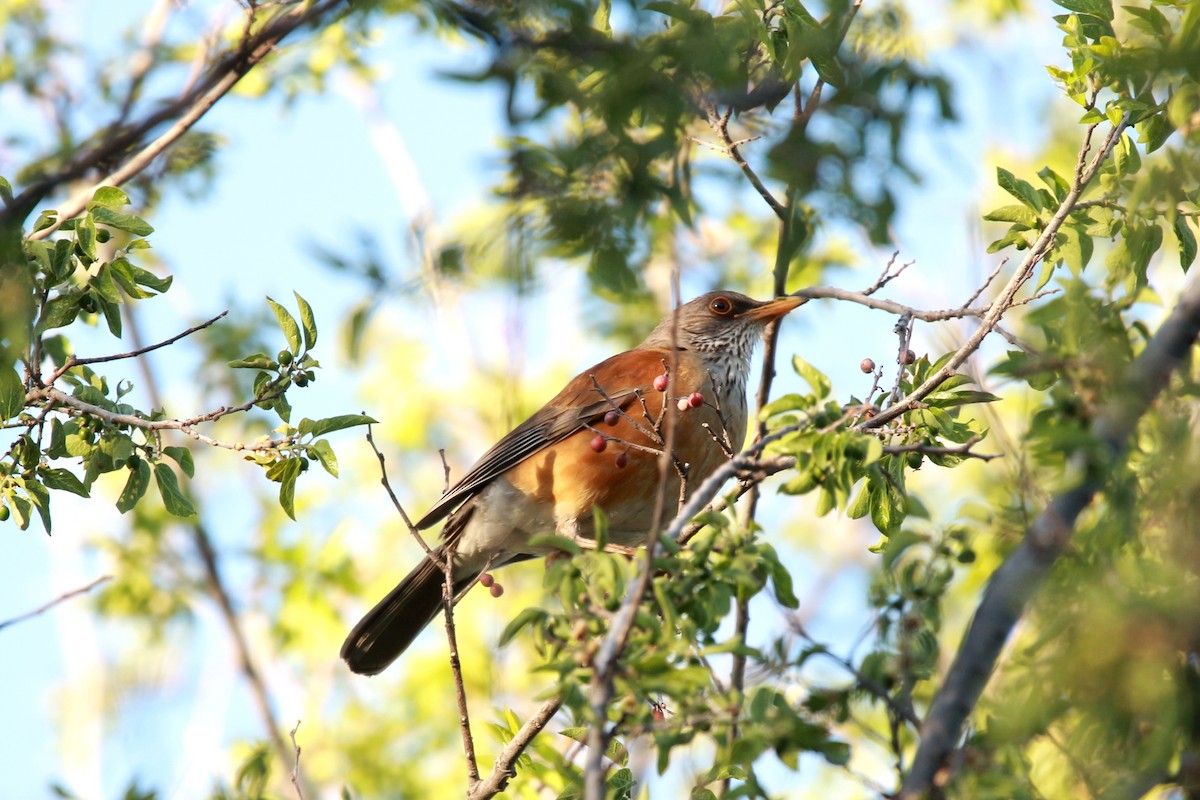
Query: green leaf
(41, 501)
(287, 485)
(135, 486)
(183, 457)
(1097, 8)
(861, 504)
(321, 427)
(308, 321)
(1187, 242)
(60, 311)
(615, 750)
(812, 376)
(326, 456)
(5, 191)
(1014, 213)
(255, 361)
(110, 197)
(12, 393)
(120, 220)
(168, 487)
(1020, 189)
(1056, 182)
(287, 324)
(62, 480)
(528, 616)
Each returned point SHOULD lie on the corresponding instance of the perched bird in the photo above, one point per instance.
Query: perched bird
(593, 444)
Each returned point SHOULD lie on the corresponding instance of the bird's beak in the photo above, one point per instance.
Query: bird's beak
(773, 309)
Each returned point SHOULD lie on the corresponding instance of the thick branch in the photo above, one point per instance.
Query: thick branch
(1017, 580)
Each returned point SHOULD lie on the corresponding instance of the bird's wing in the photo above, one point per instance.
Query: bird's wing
(578, 404)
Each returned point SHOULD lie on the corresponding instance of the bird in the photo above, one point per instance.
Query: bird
(595, 444)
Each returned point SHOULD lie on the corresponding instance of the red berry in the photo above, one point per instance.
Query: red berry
(910, 357)
(486, 579)
(622, 460)
(695, 399)
(660, 383)
(867, 365)
(496, 589)
(599, 443)
(612, 418)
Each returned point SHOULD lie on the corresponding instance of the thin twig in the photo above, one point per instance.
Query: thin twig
(76, 362)
(460, 689)
(1004, 301)
(58, 397)
(61, 598)
(296, 766)
(387, 485)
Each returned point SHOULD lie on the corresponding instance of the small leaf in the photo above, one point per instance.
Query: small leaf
(5, 191)
(812, 376)
(861, 504)
(287, 485)
(1013, 213)
(168, 487)
(135, 486)
(62, 480)
(41, 501)
(1020, 189)
(308, 321)
(321, 427)
(12, 393)
(1187, 242)
(326, 456)
(255, 361)
(287, 324)
(1097, 8)
(110, 197)
(120, 220)
(183, 457)
(528, 616)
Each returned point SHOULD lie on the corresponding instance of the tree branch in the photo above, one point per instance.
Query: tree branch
(502, 770)
(1015, 582)
(186, 110)
(59, 397)
(1085, 171)
(61, 598)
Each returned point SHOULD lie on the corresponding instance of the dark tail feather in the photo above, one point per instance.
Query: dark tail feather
(390, 627)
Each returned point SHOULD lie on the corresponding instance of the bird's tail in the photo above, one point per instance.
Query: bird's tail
(391, 626)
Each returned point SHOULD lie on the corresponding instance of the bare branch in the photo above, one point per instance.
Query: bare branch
(460, 689)
(721, 126)
(387, 485)
(61, 598)
(75, 362)
(1015, 582)
(296, 766)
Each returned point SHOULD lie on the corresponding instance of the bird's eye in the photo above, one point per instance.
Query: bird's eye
(720, 305)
